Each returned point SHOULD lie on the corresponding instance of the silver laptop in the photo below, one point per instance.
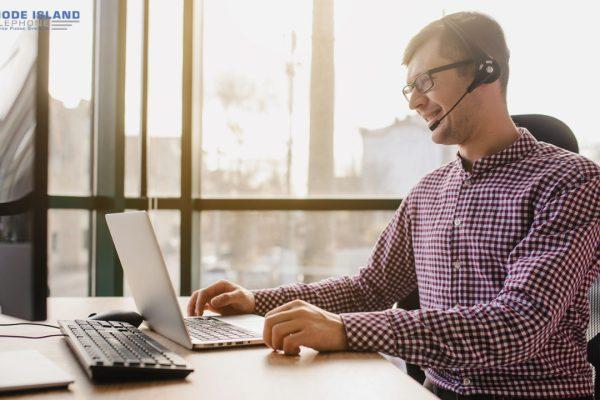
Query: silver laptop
(146, 273)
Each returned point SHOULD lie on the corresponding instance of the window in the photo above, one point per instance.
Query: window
(273, 137)
(68, 255)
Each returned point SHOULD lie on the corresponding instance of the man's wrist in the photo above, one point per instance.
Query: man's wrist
(343, 345)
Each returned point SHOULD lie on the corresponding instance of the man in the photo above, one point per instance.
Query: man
(503, 245)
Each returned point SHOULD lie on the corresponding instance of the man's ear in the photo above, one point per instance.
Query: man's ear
(490, 88)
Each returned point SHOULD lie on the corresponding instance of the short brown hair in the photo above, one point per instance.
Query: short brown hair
(478, 28)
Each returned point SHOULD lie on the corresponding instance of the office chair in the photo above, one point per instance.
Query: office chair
(550, 130)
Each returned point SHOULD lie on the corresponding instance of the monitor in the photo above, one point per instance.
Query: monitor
(23, 173)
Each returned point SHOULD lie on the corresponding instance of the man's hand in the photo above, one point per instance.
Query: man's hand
(223, 297)
(299, 323)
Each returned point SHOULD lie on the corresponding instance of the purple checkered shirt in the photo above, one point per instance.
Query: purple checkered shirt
(503, 258)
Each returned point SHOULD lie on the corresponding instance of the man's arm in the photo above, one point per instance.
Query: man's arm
(546, 269)
(388, 277)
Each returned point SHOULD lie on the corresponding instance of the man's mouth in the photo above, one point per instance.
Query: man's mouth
(432, 118)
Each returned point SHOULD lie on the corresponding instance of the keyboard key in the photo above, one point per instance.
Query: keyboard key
(163, 361)
(175, 358)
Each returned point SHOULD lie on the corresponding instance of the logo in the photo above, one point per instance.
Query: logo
(26, 20)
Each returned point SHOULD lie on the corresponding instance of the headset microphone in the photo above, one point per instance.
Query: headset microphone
(436, 123)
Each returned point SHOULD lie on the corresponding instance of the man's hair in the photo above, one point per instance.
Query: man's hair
(478, 29)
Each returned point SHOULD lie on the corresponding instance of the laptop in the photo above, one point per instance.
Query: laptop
(146, 273)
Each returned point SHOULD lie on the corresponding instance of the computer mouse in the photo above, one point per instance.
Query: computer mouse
(131, 317)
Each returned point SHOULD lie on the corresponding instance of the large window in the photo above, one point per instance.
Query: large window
(269, 138)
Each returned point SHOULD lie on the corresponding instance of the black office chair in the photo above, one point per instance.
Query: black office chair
(550, 130)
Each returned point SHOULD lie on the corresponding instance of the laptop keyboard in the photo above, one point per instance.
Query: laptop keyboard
(211, 329)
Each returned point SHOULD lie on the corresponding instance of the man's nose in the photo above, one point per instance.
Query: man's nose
(417, 99)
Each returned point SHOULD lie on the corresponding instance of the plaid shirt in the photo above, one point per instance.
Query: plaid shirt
(503, 257)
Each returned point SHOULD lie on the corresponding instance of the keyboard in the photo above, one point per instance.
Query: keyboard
(210, 329)
(118, 351)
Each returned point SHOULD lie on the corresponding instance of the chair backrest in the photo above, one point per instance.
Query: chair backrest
(548, 129)
(551, 130)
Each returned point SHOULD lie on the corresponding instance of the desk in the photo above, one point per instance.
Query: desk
(235, 373)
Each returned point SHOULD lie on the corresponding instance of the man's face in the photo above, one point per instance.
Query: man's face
(448, 87)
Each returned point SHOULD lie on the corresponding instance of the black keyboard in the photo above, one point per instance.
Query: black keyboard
(118, 351)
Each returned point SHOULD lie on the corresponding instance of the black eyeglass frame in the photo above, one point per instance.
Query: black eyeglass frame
(430, 72)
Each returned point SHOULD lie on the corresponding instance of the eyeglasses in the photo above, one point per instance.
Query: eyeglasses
(424, 82)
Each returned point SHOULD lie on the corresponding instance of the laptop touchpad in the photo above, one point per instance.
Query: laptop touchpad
(250, 322)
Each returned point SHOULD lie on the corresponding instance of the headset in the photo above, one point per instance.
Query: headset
(488, 70)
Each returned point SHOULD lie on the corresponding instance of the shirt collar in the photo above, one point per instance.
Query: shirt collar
(517, 150)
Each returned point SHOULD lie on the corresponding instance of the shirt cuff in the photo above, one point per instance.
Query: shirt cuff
(369, 331)
(267, 299)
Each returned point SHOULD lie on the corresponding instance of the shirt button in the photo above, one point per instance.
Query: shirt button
(466, 381)
(468, 182)
(457, 222)
(456, 265)
(456, 305)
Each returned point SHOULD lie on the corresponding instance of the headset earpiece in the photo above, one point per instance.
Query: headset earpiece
(487, 72)
(490, 70)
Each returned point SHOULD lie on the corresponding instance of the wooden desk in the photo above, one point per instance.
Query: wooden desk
(236, 373)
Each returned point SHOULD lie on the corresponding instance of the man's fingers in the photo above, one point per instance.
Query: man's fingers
(200, 302)
(192, 304)
(203, 299)
(225, 299)
(282, 330)
(208, 307)
(287, 306)
(292, 343)
(206, 294)
(272, 320)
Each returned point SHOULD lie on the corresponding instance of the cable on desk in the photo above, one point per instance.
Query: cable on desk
(30, 337)
(30, 323)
